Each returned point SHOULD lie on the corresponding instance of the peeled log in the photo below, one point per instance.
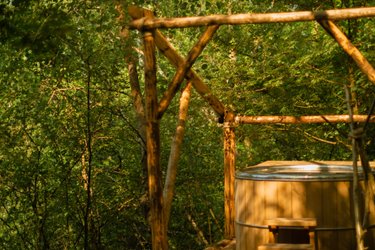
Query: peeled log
(229, 176)
(171, 54)
(184, 68)
(250, 18)
(301, 119)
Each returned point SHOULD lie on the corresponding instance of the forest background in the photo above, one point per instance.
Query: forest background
(71, 150)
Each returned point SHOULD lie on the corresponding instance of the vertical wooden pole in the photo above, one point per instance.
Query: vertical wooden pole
(158, 229)
(229, 175)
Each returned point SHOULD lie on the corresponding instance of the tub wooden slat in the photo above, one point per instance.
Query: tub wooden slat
(284, 194)
(259, 216)
(298, 200)
(328, 239)
(271, 202)
(346, 239)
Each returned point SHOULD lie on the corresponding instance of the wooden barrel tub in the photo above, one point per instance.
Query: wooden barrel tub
(321, 190)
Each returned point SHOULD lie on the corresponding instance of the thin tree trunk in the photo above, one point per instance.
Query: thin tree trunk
(198, 230)
(89, 166)
(360, 233)
(132, 61)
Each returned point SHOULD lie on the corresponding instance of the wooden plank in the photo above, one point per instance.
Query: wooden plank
(184, 68)
(252, 18)
(271, 205)
(299, 201)
(347, 238)
(350, 49)
(245, 208)
(260, 236)
(314, 203)
(229, 177)
(285, 247)
(284, 196)
(249, 215)
(329, 239)
(301, 119)
(292, 222)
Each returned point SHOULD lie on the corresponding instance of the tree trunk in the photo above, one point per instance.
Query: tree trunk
(360, 233)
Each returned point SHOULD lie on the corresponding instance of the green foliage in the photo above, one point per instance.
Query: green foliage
(50, 50)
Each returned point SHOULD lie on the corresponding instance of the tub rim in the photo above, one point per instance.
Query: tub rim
(300, 171)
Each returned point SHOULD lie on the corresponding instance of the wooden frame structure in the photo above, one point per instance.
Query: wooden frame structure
(144, 21)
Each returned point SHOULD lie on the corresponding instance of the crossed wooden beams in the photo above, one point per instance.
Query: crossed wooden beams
(145, 21)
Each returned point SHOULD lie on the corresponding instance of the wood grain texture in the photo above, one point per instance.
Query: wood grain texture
(267, 119)
(229, 180)
(327, 201)
(251, 18)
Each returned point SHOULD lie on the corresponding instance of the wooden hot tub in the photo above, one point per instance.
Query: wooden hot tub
(320, 190)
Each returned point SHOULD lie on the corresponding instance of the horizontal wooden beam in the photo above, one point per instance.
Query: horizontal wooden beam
(301, 119)
(250, 18)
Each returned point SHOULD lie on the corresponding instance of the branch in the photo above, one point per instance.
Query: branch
(360, 233)
(175, 153)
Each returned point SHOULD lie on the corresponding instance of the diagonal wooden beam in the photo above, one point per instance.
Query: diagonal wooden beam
(184, 68)
(252, 18)
(171, 54)
(175, 153)
(349, 48)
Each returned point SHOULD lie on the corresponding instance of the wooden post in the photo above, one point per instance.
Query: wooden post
(252, 18)
(185, 67)
(350, 49)
(229, 176)
(158, 229)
